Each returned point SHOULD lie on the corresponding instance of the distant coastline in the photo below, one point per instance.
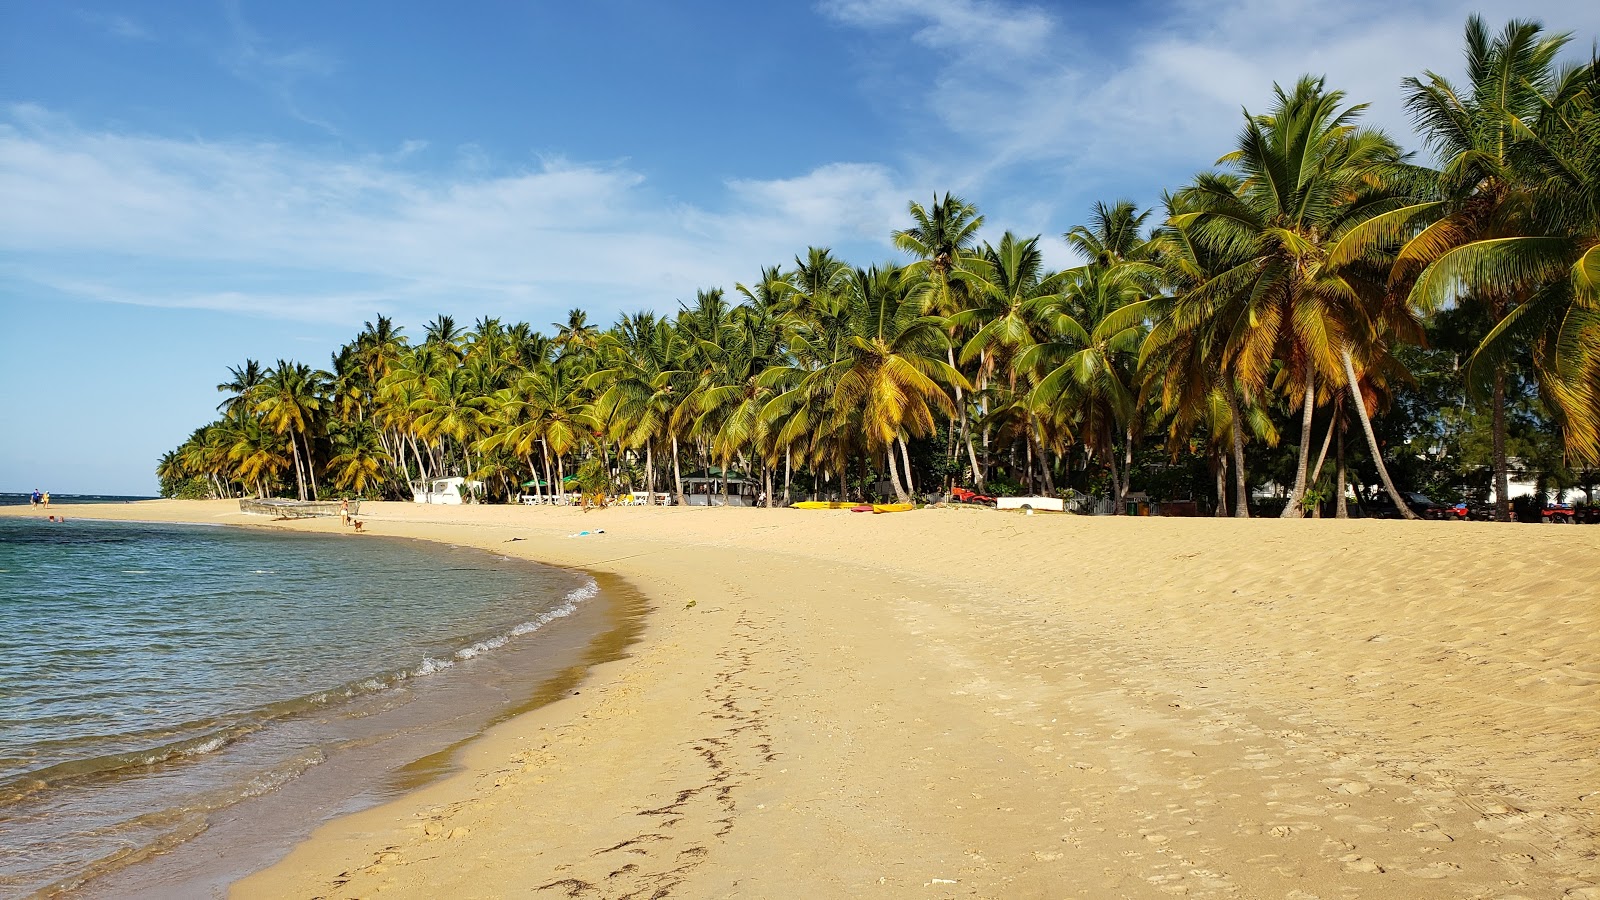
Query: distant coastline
(21, 499)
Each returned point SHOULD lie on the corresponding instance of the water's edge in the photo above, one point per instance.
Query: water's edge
(260, 831)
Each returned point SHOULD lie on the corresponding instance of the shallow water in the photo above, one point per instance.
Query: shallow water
(153, 676)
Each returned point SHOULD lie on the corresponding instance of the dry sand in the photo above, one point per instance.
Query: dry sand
(965, 703)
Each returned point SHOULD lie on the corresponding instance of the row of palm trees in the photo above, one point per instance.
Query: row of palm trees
(1275, 290)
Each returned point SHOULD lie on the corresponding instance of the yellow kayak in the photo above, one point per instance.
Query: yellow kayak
(892, 507)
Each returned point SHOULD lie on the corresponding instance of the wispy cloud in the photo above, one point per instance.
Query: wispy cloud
(116, 25)
(269, 230)
(1162, 92)
(253, 58)
(976, 31)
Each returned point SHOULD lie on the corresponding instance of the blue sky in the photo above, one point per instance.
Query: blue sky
(188, 184)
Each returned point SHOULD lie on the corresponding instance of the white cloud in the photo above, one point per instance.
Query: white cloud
(270, 230)
(1164, 91)
(974, 29)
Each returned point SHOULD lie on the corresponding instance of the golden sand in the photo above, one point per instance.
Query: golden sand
(963, 702)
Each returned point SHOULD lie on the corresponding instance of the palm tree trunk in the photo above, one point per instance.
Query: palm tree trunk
(766, 478)
(677, 476)
(905, 455)
(299, 477)
(1127, 460)
(1116, 482)
(649, 474)
(1340, 509)
(422, 468)
(1220, 464)
(1327, 438)
(1308, 407)
(1241, 484)
(787, 471)
(1372, 440)
(1502, 478)
(1044, 469)
(894, 477)
(310, 468)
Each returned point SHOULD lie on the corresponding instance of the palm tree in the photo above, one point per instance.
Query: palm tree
(1307, 175)
(1005, 287)
(1482, 192)
(290, 402)
(637, 353)
(241, 387)
(1088, 364)
(943, 238)
(892, 375)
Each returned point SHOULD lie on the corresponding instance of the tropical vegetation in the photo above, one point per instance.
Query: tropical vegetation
(1319, 289)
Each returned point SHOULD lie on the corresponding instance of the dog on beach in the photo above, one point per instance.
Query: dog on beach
(359, 525)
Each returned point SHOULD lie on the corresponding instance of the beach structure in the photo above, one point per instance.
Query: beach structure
(705, 488)
(445, 491)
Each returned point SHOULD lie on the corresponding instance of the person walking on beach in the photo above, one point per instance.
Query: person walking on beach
(46, 500)
(34, 498)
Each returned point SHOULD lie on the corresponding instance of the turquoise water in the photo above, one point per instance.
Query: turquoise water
(153, 674)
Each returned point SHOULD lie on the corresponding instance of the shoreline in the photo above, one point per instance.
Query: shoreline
(967, 702)
(371, 750)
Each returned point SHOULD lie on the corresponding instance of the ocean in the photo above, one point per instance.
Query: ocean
(155, 678)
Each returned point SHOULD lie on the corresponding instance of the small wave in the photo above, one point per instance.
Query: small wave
(136, 571)
(568, 606)
(430, 666)
(27, 783)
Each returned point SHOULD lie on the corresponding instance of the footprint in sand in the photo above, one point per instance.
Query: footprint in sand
(1354, 862)
(1428, 831)
(1436, 870)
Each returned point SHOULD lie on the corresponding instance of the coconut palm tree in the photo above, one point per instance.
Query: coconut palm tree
(943, 239)
(1307, 174)
(290, 401)
(241, 387)
(892, 373)
(1480, 133)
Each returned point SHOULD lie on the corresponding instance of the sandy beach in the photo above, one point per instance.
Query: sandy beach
(966, 703)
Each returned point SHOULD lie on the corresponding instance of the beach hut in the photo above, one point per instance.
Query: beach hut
(705, 488)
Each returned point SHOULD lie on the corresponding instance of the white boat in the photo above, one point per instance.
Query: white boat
(446, 491)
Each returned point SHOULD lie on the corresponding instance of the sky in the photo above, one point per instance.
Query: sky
(190, 183)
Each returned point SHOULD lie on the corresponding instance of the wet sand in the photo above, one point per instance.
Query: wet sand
(960, 702)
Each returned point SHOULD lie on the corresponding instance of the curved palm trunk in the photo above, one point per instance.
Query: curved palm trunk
(311, 470)
(1308, 407)
(299, 475)
(1372, 440)
(894, 477)
(677, 476)
(905, 456)
(1241, 484)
